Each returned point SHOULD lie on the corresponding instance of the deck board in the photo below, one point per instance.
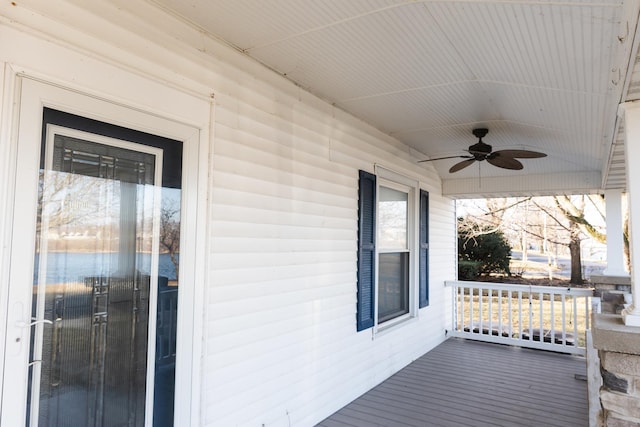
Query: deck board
(470, 383)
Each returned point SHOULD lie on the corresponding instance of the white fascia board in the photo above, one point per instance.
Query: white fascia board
(524, 185)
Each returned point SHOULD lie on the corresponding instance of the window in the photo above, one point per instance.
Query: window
(392, 248)
(393, 253)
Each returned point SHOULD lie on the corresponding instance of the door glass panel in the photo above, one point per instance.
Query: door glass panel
(103, 278)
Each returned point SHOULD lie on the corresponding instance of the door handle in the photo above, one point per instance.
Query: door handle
(21, 324)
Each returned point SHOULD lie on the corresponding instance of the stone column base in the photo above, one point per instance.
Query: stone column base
(618, 348)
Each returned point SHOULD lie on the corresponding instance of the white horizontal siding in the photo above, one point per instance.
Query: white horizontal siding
(282, 345)
(280, 342)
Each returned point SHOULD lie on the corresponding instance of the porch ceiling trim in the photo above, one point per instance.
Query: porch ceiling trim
(527, 185)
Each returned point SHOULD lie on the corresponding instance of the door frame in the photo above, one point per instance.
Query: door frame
(30, 95)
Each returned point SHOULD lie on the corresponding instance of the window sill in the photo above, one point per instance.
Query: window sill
(393, 324)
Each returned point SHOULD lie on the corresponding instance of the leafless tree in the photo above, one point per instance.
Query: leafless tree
(568, 226)
(170, 231)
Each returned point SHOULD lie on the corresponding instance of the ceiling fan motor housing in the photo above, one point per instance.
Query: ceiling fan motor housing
(480, 150)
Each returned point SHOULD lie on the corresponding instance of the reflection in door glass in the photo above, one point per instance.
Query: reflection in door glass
(105, 244)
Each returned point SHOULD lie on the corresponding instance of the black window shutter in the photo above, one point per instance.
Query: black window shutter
(366, 250)
(424, 249)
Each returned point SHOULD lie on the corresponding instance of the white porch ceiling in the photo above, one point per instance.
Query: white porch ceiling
(540, 75)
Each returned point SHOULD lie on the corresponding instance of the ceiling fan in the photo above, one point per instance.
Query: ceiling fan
(480, 151)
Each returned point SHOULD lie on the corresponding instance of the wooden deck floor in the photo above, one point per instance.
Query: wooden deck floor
(468, 383)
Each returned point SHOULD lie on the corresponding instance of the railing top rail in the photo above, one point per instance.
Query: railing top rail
(556, 290)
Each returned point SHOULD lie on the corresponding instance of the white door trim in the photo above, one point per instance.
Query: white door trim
(32, 96)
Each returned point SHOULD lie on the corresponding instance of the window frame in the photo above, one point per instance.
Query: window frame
(396, 181)
(410, 248)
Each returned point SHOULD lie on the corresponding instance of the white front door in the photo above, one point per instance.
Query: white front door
(94, 272)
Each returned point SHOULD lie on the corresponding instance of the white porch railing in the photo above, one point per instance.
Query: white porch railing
(543, 317)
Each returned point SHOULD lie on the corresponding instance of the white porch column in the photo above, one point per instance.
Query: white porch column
(615, 240)
(631, 314)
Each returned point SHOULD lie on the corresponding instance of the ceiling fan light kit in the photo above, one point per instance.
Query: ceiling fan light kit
(505, 159)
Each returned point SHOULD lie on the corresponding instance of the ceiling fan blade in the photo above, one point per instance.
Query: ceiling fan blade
(459, 166)
(442, 158)
(520, 154)
(504, 162)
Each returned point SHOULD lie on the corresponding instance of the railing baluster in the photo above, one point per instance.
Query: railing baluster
(462, 320)
(467, 304)
(520, 314)
(530, 314)
(575, 319)
(564, 318)
(500, 314)
(471, 319)
(490, 296)
(510, 296)
(455, 308)
(552, 301)
(541, 305)
(480, 310)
